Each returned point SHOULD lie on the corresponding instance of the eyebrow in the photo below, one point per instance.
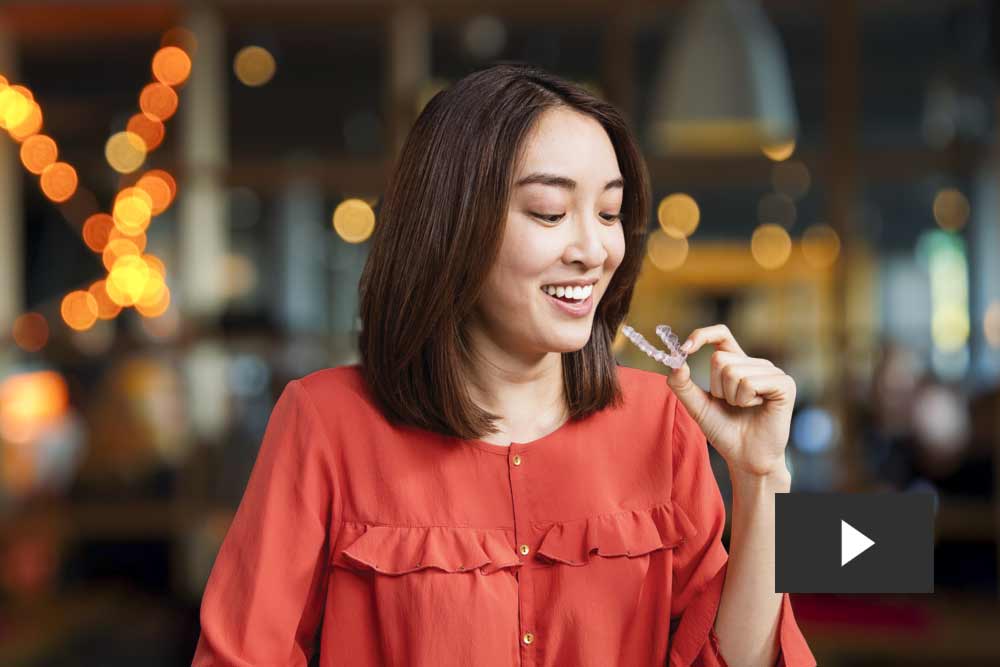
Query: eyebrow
(562, 181)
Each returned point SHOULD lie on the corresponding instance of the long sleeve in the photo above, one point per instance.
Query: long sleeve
(264, 599)
(699, 571)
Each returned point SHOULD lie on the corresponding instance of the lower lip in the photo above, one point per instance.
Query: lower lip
(574, 309)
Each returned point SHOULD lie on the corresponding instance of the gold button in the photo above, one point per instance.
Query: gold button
(517, 459)
(524, 549)
(528, 638)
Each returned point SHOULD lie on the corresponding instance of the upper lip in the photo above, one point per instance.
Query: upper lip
(581, 282)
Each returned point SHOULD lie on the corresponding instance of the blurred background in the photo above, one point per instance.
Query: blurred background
(187, 190)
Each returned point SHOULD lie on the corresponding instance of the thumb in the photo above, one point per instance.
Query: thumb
(692, 397)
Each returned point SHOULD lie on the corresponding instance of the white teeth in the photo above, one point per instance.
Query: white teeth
(570, 292)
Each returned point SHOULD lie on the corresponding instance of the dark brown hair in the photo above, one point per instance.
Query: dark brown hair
(439, 230)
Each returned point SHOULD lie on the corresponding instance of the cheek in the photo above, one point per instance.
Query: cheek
(615, 245)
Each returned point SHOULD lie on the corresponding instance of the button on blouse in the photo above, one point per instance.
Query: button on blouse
(377, 544)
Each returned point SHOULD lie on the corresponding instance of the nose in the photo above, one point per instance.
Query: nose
(587, 244)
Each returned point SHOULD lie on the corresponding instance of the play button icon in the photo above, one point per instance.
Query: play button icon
(852, 543)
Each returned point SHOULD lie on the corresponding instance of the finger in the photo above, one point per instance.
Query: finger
(694, 399)
(733, 385)
(720, 360)
(718, 335)
(777, 387)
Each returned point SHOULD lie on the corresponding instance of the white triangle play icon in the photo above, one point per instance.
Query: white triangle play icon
(852, 543)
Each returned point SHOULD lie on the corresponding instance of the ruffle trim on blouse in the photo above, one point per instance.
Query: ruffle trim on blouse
(629, 533)
(403, 549)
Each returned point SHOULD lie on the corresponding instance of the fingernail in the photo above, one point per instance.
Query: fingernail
(686, 347)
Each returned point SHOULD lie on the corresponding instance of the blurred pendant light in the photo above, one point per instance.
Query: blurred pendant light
(723, 85)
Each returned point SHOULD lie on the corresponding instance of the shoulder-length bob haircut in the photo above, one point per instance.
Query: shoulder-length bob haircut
(440, 226)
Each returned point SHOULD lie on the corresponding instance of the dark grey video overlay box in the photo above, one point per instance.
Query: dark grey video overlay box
(815, 532)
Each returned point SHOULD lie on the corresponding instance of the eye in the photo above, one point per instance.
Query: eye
(611, 217)
(549, 217)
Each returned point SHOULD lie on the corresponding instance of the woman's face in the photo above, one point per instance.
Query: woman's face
(562, 227)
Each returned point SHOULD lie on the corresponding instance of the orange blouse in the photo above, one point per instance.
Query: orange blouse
(598, 544)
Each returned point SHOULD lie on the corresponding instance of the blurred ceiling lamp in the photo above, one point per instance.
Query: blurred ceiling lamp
(723, 85)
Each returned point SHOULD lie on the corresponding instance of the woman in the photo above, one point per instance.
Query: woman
(488, 487)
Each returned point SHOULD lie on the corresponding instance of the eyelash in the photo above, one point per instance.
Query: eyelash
(614, 217)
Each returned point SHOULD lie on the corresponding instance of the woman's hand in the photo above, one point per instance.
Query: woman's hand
(747, 413)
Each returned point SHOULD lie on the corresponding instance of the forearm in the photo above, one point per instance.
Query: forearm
(749, 611)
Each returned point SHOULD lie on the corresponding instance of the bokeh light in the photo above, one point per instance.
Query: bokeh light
(780, 151)
(125, 151)
(106, 308)
(158, 101)
(160, 187)
(31, 124)
(38, 152)
(30, 401)
(58, 181)
(30, 331)
(171, 66)
(132, 211)
(666, 252)
(678, 215)
(771, 246)
(354, 220)
(79, 310)
(97, 231)
(114, 250)
(254, 66)
(149, 129)
(129, 275)
(820, 246)
(951, 209)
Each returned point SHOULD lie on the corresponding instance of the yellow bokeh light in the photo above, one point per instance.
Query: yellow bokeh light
(780, 151)
(254, 66)
(58, 181)
(678, 215)
(771, 246)
(129, 275)
(666, 252)
(950, 326)
(132, 211)
(138, 240)
(820, 246)
(125, 151)
(171, 66)
(155, 264)
(157, 309)
(38, 152)
(15, 105)
(951, 209)
(79, 310)
(30, 125)
(354, 220)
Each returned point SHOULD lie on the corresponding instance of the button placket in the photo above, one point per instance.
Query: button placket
(520, 496)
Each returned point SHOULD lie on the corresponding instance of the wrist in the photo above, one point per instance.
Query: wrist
(778, 480)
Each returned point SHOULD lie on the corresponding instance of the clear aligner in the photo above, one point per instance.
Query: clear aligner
(674, 358)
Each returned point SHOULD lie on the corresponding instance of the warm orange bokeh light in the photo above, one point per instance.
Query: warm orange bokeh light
(132, 211)
(171, 66)
(155, 264)
(158, 100)
(59, 181)
(31, 332)
(97, 231)
(149, 129)
(160, 190)
(138, 240)
(32, 124)
(29, 401)
(38, 152)
(106, 308)
(79, 310)
(116, 249)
